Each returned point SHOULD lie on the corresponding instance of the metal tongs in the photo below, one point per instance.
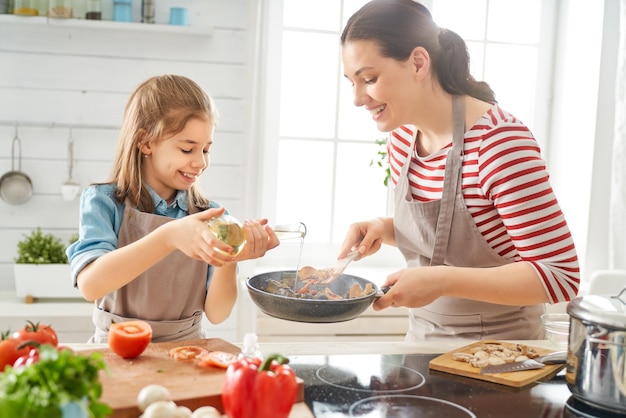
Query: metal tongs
(334, 271)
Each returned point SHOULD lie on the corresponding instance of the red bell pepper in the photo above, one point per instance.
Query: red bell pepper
(259, 390)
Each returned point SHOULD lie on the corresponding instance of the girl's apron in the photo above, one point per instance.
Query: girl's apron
(422, 233)
(169, 295)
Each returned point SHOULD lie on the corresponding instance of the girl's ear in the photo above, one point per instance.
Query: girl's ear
(143, 144)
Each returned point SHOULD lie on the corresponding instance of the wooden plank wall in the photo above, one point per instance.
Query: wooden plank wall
(55, 74)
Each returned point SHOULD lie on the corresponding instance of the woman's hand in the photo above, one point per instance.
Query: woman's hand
(412, 287)
(366, 236)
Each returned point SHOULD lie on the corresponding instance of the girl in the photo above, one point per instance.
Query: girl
(144, 249)
(484, 238)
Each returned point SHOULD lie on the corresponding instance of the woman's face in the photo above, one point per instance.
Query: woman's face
(387, 88)
(175, 163)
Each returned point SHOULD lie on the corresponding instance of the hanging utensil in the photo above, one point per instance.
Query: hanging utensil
(70, 188)
(15, 186)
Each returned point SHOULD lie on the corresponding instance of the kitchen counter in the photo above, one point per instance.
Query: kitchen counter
(365, 347)
(381, 348)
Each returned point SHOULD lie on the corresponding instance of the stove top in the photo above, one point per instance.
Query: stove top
(389, 386)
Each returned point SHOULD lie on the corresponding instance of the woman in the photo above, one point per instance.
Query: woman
(144, 250)
(485, 241)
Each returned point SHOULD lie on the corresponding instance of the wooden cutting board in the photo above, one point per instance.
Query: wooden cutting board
(190, 385)
(445, 363)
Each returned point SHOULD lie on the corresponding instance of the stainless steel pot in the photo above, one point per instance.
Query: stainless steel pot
(596, 369)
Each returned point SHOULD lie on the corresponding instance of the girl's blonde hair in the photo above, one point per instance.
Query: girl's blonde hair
(159, 107)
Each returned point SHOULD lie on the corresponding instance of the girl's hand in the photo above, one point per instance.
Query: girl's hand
(260, 238)
(192, 236)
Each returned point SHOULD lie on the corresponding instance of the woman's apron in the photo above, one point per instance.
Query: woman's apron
(169, 295)
(422, 233)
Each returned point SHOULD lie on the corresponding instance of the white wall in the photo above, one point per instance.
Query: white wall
(82, 75)
(60, 73)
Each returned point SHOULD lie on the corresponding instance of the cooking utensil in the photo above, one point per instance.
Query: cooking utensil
(70, 188)
(446, 363)
(15, 186)
(596, 364)
(340, 265)
(311, 310)
(531, 364)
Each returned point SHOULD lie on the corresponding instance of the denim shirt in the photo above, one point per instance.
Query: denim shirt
(100, 220)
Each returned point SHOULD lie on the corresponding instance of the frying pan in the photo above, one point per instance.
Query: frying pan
(311, 310)
(15, 186)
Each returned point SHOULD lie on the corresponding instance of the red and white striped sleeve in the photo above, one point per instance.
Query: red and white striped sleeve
(512, 174)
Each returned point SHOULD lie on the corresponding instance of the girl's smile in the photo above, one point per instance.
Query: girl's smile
(175, 163)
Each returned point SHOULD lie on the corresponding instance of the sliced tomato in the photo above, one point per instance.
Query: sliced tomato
(187, 352)
(130, 338)
(43, 334)
(219, 359)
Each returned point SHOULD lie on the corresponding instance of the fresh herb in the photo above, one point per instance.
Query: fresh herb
(381, 159)
(60, 376)
(39, 248)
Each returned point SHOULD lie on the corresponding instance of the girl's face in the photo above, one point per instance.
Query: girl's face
(387, 88)
(172, 164)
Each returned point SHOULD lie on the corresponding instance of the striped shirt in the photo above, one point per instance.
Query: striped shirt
(508, 193)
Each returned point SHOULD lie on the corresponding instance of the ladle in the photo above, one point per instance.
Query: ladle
(70, 188)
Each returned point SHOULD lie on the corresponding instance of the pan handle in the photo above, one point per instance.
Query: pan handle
(382, 291)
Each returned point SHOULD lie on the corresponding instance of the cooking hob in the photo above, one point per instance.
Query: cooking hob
(389, 386)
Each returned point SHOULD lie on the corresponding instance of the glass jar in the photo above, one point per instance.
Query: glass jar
(60, 8)
(25, 8)
(93, 10)
(122, 11)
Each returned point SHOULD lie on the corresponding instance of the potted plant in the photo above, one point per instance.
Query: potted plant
(381, 159)
(41, 268)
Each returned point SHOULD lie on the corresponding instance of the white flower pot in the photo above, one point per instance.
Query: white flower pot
(44, 281)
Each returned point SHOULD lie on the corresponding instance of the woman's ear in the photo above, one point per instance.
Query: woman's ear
(421, 61)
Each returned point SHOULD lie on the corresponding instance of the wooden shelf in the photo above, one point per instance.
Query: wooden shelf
(106, 25)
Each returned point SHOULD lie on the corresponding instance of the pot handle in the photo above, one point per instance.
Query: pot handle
(621, 296)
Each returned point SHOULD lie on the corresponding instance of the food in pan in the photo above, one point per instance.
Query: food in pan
(312, 289)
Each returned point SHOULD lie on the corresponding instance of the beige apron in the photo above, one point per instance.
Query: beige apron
(169, 296)
(422, 233)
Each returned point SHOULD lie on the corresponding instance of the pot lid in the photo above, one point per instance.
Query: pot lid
(602, 310)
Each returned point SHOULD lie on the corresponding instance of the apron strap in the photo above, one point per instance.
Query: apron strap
(452, 181)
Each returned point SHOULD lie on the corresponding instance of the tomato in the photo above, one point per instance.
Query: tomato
(9, 352)
(187, 352)
(43, 334)
(130, 338)
(219, 359)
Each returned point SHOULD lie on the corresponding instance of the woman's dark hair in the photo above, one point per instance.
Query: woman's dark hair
(399, 26)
